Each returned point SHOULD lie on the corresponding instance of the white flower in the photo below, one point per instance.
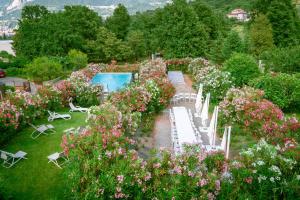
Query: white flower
(298, 177)
(260, 162)
(272, 179)
(275, 169)
(260, 178)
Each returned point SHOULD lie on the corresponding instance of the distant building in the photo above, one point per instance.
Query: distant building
(239, 14)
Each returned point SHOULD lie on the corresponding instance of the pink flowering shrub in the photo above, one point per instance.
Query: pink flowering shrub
(132, 99)
(31, 105)
(263, 118)
(246, 108)
(155, 71)
(20, 107)
(235, 100)
(197, 64)
(9, 120)
(51, 98)
(80, 91)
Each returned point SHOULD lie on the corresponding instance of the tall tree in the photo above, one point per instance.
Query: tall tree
(33, 12)
(54, 34)
(119, 22)
(179, 31)
(108, 47)
(284, 19)
(261, 37)
(232, 44)
(136, 41)
(284, 24)
(215, 25)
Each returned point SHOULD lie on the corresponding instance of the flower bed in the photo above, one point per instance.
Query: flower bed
(247, 108)
(105, 165)
(215, 81)
(20, 108)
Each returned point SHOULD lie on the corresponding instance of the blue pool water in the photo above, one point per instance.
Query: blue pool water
(112, 82)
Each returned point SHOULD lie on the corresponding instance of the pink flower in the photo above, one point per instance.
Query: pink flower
(218, 185)
(148, 176)
(120, 178)
(210, 196)
(156, 165)
(249, 180)
(202, 182)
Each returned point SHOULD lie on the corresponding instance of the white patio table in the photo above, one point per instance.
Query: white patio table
(184, 127)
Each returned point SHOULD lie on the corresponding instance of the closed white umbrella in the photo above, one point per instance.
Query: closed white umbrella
(212, 127)
(198, 104)
(228, 141)
(223, 143)
(204, 111)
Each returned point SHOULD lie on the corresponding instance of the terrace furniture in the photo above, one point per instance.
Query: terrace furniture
(41, 129)
(11, 159)
(212, 128)
(199, 103)
(77, 108)
(55, 157)
(184, 127)
(69, 130)
(204, 111)
(54, 115)
(76, 131)
(225, 143)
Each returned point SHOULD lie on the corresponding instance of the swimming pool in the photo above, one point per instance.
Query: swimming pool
(112, 82)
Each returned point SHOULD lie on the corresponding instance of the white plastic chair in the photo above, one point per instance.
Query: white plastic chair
(54, 115)
(56, 156)
(77, 108)
(11, 159)
(41, 129)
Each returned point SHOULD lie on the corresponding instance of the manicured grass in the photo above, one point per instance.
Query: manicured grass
(35, 178)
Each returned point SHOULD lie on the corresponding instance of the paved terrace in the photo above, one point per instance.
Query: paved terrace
(162, 130)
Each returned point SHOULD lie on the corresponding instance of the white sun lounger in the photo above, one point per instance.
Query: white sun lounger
(41, 129)
(54, 115)
(56, 156)
(11, 159)
(77, 108)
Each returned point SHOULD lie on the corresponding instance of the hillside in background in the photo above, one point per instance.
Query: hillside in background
(10, 9)
(227, 5)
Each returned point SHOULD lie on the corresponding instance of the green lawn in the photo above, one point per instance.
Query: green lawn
(35, 178)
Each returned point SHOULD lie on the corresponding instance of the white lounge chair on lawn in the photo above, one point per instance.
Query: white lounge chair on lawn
(56, 156)
(54, 115)
(11, 159)
(77, 108)
(41, 129)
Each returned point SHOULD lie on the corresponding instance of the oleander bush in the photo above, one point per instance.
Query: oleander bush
(282, 89)
(215, 82)
(246, 108)
(197, 64)
(264, 172)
